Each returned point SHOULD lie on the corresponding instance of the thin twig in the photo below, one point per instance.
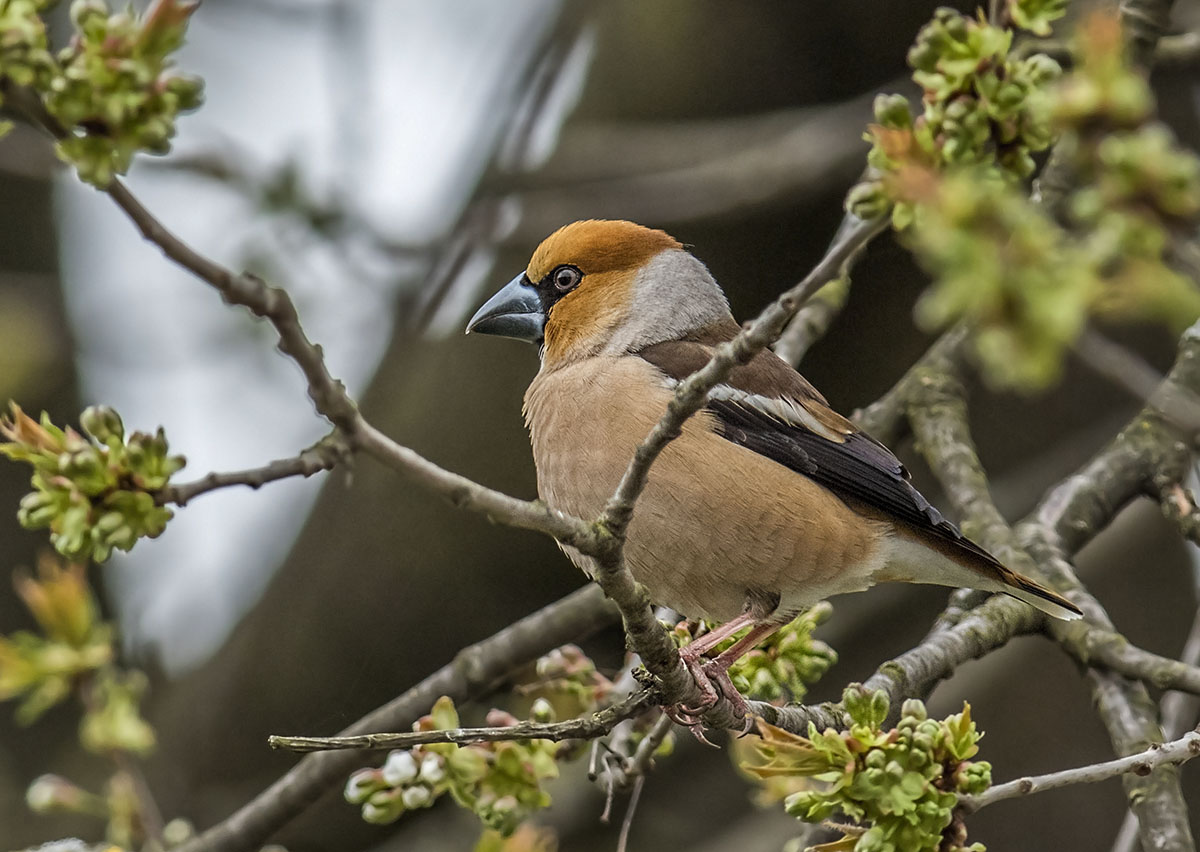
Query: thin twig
(627, 822)
(640, 762)
(1172, 753)
(585, 727)
(324, 455)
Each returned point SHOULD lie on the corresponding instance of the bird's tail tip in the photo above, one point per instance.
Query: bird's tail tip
(1039, 597)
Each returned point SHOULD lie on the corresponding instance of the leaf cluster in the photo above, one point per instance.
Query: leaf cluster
(982, 107)
(112, 87)
(95, 491)
(73, 654)
(899, 786)
(1025, 277)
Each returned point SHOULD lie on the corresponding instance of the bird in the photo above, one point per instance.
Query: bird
(767, 502)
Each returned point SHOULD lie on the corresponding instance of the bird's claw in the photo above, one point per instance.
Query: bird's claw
(713, 681)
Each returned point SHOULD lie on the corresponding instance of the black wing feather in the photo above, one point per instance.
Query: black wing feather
(860, 468)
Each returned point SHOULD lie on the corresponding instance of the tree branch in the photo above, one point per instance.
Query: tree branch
(585, 727)
(323, 455)
(1166, 754)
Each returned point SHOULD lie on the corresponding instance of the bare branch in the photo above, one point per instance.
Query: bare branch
(886, 418)
(1172, 753)
(1093, 645)
(323, 455)
(585, 727)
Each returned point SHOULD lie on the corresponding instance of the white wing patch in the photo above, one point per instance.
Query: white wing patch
(781, 408)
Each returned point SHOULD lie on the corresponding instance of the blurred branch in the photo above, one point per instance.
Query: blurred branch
(585, 727)
(812, 320)
(738, 164)
(1118, 364)
(474, 673)
(1180, 51)
(1173, 753)
(323, 455)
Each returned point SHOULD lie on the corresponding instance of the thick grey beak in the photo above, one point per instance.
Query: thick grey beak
(515, 311)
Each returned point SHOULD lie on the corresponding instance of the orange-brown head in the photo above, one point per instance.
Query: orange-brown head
(603, 286)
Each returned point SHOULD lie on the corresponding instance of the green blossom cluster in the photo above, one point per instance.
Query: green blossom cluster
(25, 57)
(982, 107)
(1003, 262)
(72, 654)
(43, 668)
(1028, 277)
(900, 786)
(785, 664)
(1036, 15)
(1137, 185)
(112, 88)
(95, 492)
(501, 782)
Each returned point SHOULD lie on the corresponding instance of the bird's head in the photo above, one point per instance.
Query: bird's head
(602, 286)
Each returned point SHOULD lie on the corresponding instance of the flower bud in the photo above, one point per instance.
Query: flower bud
(432, 770)
(400, 768)
(542, 711)
(417, 796)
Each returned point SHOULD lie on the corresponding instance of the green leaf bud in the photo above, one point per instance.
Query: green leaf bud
(384, 807)
(893, 111)
(103, 423)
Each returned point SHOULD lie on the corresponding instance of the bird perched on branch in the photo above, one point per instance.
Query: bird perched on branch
(767, 502)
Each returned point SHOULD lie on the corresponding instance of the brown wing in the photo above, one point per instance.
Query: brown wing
(768, 407)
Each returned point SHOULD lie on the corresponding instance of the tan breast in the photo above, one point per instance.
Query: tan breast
(717, 521)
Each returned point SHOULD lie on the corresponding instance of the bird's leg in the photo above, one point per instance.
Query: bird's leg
(691, 654)
(697, 648)
(717, 670)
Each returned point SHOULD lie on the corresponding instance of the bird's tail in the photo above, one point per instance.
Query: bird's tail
(1037, 595)
(921, 557)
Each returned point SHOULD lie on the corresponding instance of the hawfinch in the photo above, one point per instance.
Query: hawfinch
(768, 501)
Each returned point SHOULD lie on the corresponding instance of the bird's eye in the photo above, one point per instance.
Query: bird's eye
(566, 278)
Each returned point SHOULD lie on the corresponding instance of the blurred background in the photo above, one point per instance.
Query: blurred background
(392, 162)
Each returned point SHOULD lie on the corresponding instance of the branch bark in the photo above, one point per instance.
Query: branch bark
(324, 455)
(1165, 754)
(586, 727)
